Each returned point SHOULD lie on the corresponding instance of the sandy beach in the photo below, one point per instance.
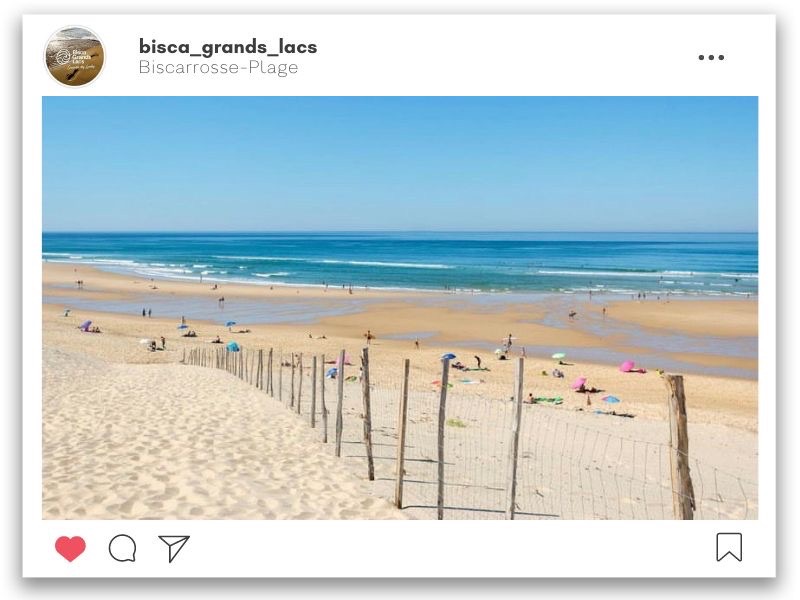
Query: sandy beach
(212, 447)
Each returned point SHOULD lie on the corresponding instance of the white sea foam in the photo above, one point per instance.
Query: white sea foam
(326, 261)
(279, 274)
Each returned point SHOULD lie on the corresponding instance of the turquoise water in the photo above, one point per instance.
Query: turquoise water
(607, 263)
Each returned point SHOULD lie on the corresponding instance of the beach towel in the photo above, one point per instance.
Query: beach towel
(351, 379)
(470, 381)
(614, 413)
(548, 400)
(438, 383)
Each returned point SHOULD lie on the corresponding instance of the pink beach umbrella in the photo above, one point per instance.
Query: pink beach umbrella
(578, 383)
(346, 360)
(627, 366)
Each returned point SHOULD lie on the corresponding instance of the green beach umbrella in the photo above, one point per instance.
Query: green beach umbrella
(559, 355)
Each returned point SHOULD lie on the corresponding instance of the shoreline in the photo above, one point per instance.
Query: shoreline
(473, 322)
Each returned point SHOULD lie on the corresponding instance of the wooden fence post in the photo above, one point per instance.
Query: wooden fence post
(280, 377)
(300, 381)
(260, 375)
(511, 486)
(291, 396)
(367, 412)
(322, 401)
(313, 391)
(339, 402)
(683, 503)
(269, 375)
(440, 444)
(401, 437)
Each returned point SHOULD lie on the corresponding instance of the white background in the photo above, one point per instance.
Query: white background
(11, 163)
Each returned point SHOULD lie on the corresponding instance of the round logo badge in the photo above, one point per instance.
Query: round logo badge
(74, 56)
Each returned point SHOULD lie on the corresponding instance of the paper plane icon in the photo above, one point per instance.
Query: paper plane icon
(175, 543)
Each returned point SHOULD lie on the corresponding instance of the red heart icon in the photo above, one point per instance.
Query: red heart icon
(70, 548)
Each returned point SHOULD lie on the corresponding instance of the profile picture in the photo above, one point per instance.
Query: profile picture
(74, 56)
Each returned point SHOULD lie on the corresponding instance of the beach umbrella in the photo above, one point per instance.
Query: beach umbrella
(331, 373)
(498, 351)
(230, 323)
(85, 325)
(448, 356)
(183, 326)
(627, 366)
(611, 399)
(145, 341)
(559, 355)
(347, 360)
(578, 383)
(233, 347)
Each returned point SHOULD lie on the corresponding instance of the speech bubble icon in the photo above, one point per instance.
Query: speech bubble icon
(122, 548)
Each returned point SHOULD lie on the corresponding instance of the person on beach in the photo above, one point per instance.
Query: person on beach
(478, 360)
(66, 312)
(149, 312)
(508, 343)
(163, 343)
(221, 301)
(216, 341)
(144, 312)
(183, 320)
(523, 352)
(416, 343)
(369, 337)
(604, 313)
(572, 314)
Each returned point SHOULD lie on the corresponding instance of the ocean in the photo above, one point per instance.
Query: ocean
(697, 264)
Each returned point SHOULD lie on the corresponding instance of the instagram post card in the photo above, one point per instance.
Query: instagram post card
(460, 296)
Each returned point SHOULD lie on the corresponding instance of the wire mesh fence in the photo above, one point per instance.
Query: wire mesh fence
(562, 464)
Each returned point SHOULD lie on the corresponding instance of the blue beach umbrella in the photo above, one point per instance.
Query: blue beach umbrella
(331, 373)
(230, 323)
(233, 347)
(183, 326)
(448, 356)
(611, 399)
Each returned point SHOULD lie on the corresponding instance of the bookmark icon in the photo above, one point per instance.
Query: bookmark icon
(175, 543)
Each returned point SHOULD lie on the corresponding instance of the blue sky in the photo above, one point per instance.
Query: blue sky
(431, 163)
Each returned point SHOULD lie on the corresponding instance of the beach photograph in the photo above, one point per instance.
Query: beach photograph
(349, 308)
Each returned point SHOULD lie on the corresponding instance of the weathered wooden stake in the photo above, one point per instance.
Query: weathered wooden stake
(401, 437)
(442, 402)
(683, 503)
(291, 403)
(322, 400)
(339, 402)
(367, 412)
(511, 485)
(313, 391)
(280, 377)
(300, 382)
(269, 376)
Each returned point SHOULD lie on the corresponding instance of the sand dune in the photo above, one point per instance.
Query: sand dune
(171, 441)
